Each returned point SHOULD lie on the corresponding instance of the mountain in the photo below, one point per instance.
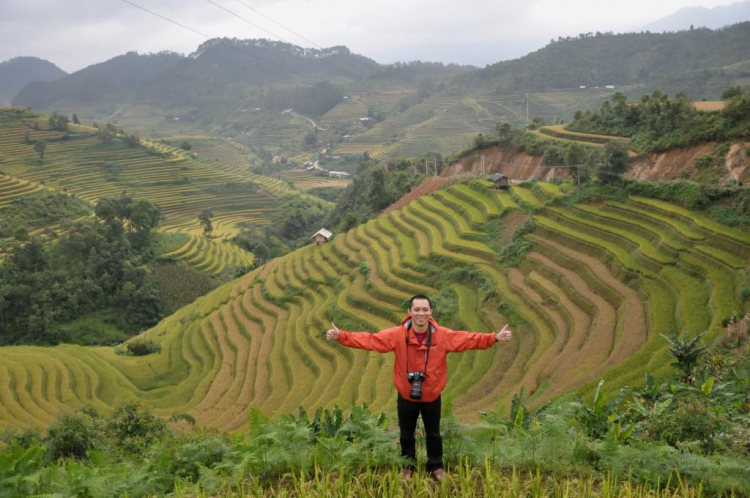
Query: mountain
(615, 59)
(220, 69)
(701, 17)
(18, 72)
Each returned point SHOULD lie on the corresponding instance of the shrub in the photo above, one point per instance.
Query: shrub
(72, 435)
(142, 347)
(132, 427)
(692, 420)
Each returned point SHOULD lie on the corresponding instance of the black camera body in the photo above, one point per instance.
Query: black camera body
(416, 379)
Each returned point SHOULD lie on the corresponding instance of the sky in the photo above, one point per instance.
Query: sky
(77, 33)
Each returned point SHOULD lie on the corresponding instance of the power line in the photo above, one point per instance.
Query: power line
(291, 71)
(280, 25)
(248, 21)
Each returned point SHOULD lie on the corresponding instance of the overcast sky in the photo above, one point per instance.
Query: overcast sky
(76, 33)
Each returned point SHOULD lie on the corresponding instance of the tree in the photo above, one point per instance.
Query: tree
(75, 119)
(186, 145)
(40, 147)
(614, 162)
(731, 92)
(205, 220)
(504, 131)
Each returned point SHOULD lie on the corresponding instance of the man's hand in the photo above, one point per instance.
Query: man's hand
(504, 335)
(333, 332)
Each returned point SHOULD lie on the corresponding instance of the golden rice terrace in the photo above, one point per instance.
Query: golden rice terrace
(598, 285)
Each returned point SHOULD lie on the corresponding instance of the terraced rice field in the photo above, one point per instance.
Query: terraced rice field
(183, 187)
(211, 256)
(559, 132)
(12, 188)
(383, 133)
(84, 165)
(305, 180)
(597, 287)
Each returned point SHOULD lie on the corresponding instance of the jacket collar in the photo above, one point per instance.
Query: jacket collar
(405, 325)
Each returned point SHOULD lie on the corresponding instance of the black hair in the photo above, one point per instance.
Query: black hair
(419, 296)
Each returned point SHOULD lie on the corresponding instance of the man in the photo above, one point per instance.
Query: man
(419, 372)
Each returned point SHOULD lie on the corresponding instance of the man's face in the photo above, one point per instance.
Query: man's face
(420, 311)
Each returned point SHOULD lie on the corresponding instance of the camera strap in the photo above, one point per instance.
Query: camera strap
(427, 351)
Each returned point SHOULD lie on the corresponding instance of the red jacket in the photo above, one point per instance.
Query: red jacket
(444, 341)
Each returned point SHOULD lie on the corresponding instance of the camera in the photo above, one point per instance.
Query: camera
(416, 379)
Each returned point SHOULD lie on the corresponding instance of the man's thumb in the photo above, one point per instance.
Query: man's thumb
(505, 328)
(334, 327)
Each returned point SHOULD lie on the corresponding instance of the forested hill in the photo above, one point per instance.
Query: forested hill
(18, 72)
(615, 59)
(219, 68)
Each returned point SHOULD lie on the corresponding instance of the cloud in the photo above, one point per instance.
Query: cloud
(74, 34)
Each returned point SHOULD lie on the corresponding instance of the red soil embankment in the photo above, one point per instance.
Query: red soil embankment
(675, 163)
(680, 163)
(515, 165)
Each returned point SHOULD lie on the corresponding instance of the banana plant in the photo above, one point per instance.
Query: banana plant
(599, 418)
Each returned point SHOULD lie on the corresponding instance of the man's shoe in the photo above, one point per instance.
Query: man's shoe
(407, 474)
(438, 475)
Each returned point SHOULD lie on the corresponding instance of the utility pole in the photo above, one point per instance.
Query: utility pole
(435, 166)
(482, 156)
(527, 110)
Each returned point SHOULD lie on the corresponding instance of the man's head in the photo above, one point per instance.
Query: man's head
(420, 310)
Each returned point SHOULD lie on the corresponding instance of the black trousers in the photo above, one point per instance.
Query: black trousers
(408, 413)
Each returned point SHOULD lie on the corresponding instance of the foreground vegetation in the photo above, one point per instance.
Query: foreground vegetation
(686, 437)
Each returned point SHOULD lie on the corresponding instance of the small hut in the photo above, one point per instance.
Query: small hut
(322, 236)
(499, 181)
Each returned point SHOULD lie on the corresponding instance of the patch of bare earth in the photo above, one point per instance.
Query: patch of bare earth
(427, 187)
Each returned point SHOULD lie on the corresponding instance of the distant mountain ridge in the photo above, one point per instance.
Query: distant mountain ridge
(702, 17)
(219, 67)
(615, 59)
(18, 72)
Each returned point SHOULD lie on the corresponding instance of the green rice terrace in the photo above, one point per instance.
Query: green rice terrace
(588, 288)
(81, 163)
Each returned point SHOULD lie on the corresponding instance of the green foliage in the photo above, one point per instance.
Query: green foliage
(614, 163)
(514, 252)
(73, 435)
(693, 420)
(186, 145)
(371, 191)
(141, 347)
(40, 147)
(205, 219)
(656, 123)
(39, 210)
(686, 353)
(94, 266)
(133, 428)
(602, 417)
(59, 122)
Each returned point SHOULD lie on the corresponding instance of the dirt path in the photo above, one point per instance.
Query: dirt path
(313, 123)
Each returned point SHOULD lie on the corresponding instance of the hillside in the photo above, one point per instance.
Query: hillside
(217, 72)
(702, 17)
(91, 165)
(18, 72)
(589, 299)
(347, 105)
(616, 59)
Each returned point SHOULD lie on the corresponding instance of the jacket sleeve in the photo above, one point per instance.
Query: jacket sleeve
(459, 341)
(382, 342)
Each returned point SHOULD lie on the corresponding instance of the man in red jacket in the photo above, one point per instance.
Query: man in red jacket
(419, 372)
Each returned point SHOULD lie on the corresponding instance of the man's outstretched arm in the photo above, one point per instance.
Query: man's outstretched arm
(380, 342)
(459, 341)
